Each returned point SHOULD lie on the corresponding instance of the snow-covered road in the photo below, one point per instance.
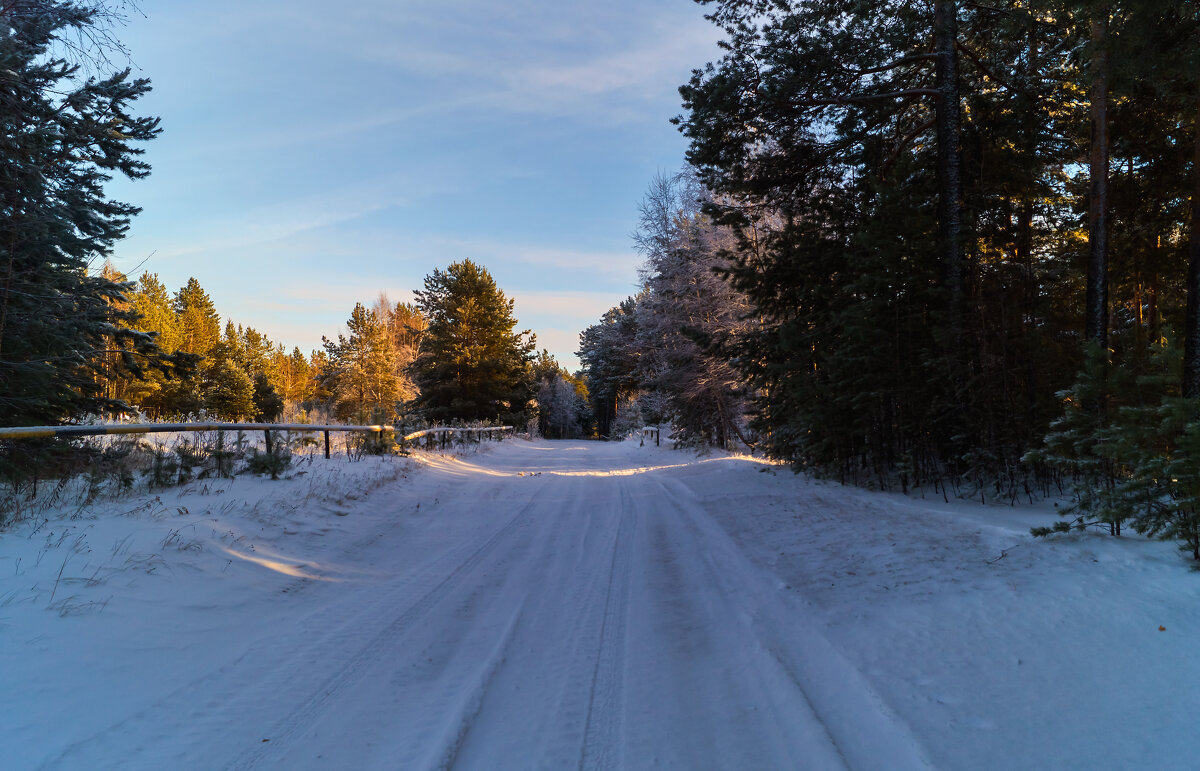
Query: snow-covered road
(548, 605)
(583, 605)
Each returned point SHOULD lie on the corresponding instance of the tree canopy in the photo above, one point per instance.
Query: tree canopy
(472, 365)
(62, 137)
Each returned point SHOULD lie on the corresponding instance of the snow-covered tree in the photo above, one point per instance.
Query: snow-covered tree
(562, 404)
(666, 355)
(609, 353)
(689, 313)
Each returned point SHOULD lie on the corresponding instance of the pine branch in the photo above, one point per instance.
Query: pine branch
(988, 72)
(893, 65)
(904, 141)
(862, 98)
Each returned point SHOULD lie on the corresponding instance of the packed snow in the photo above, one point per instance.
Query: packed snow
(584, 605)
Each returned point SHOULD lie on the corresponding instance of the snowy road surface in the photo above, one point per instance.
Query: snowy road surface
(584, 605)
(548, 605)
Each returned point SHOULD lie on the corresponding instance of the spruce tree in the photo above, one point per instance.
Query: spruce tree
(472, 365)
(152, 303)
(62, 137)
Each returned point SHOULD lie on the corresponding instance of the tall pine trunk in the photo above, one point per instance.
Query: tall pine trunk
(1191, 326)
(1096, 302)
(949, 163)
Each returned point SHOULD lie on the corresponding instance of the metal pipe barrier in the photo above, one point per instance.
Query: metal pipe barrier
(431, 435)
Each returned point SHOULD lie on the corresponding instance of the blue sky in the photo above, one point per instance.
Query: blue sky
(315, 154)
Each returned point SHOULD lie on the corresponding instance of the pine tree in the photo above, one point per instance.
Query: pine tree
(199, 322)
(157, 392)
(895, 174)
(152, 303)
(361, 370)
(473, 365)
(1080, 441)
(229, 392)
(404, 325)
(1138, 460)
(62, 136)
(295, 376)
(268, 404)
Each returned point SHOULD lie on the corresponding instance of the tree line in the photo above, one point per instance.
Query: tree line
(965, 237)
(239, 373)
(451, 355)
(77, 339)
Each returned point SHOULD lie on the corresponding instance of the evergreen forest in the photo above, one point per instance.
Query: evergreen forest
(957, 245)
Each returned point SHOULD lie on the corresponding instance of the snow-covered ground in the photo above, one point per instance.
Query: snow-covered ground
(585, 605)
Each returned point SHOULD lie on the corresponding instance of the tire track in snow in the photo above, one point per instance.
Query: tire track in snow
(352, 671)
(862, 728)
(530, 617)
(608, 623)
(601, 731)
(535, 714)
(472, 702)
(242, 686)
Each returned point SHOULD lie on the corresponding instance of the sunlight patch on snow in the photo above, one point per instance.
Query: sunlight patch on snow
(463, 468)
(624, 472)
(282, 565)
(458, 467)
(618, 472)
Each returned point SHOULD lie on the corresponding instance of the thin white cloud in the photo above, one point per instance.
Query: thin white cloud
(640, 71)
(516, 57)
(282, 221)
(492, 253)
(562, 344)
(582, 306)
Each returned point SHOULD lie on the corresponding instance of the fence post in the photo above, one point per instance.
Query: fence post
(326, 445)
(657, 436)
